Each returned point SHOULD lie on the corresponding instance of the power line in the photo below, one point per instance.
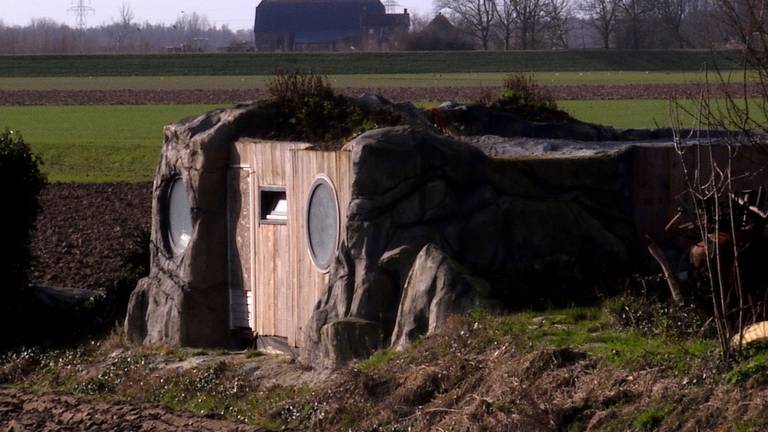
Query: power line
(81, 9)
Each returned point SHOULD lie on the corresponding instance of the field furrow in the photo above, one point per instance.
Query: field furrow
(467, 94)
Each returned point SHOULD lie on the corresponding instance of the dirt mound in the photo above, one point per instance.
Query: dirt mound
(84, 232)
(22, 410)
(397, 94)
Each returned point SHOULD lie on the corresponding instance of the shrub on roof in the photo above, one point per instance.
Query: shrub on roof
(521, 94)
(305, 107)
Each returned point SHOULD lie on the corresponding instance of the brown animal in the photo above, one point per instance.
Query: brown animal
(697, 256)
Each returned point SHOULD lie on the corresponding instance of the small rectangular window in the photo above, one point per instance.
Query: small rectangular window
(273, 205)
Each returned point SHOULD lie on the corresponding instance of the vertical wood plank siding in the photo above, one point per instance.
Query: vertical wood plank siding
(272, 263)
(272, 288)
(659, 187)
(307, 281)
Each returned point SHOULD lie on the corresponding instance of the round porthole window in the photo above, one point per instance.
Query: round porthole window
(178, 224)
(322, 222)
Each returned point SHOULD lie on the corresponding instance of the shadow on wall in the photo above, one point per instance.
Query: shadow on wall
(436, 227)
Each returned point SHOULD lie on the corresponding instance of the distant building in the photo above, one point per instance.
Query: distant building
(328, 25)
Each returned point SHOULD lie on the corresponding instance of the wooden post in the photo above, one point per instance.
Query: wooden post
(672, 282)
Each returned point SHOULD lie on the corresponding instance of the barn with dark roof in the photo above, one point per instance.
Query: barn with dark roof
(327, 25)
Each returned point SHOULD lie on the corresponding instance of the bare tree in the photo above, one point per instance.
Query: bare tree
(477, 15)
(703, 25)
(730, 223)
(191, 27)
(507, 21)
(633, 14)
(419, 22)
(529, 14)
(526, 21)
(42, 36)
(557, 14)
(124, 26)
(671, 13)
(126, 14)
(192, 24)
(603, 16)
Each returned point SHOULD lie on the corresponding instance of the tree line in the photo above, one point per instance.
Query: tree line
(189, 33)
(478, 24)
(624, 24)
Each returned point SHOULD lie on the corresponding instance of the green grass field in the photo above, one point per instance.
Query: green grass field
(639, 114)
(483, 79)
(624, 114)
(364, 63)
(122, 143)
(96, 143)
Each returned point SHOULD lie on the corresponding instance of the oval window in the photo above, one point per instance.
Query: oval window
(179, 217)
(322, 222)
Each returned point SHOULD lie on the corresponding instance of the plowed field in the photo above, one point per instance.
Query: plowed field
(150, 97)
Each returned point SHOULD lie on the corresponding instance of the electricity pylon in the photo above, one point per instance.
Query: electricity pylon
(81, 9)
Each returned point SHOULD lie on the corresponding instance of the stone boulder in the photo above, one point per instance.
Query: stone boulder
(436, 288)
(348, 339)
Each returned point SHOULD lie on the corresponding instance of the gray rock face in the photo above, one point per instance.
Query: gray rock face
(422, 203)
(184, 301)
(436, 288)
(347, 339)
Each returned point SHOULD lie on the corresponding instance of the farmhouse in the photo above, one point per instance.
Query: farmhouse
(331, 252)
(327, 25)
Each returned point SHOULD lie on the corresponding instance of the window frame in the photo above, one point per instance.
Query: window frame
(170, 244)
(322, 179)
(262, 215)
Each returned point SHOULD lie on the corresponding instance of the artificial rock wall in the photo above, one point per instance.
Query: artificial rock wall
(185, 299)
(436, 227)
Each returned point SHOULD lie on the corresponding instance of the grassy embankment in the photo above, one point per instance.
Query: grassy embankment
(481, 79)
(518, 368)
(364, 63)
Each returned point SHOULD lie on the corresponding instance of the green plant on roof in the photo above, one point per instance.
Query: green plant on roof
(521, 94)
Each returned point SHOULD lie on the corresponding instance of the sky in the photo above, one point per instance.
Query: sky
(237, 14)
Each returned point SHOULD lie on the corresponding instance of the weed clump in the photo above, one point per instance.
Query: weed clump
(305, 107)
(223, 390)
(378, 359)
(651, 418)
(651, 316)
(522, 95)
(752, 367)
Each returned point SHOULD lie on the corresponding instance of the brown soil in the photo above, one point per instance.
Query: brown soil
(84, 231)
(24, 410)
(149, 97)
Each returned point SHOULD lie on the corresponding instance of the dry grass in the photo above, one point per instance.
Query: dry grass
(553, 370)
